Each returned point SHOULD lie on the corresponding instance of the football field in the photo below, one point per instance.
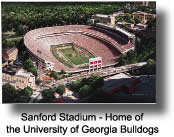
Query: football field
(70, 56)
(74, 56)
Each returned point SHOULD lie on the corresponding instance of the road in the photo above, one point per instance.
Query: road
(107, 72)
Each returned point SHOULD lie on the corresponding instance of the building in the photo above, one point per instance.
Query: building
(10, 54)
(142, 3)
(106, 19)
(140, 26)
(119, 13)
(143, 17)
(39, 43)
(48, 66)
(146, 3)
(17, 77)
(129, 25)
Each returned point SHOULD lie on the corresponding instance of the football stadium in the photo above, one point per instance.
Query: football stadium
(70, 47)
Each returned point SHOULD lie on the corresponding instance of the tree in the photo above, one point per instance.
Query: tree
(150, 68)
(21, 29)
(127, 16)
(27, 91)
(24, 95)
(131, 20)
(84, 90)
(132, 56)
(95, 22)
(24, 55)
(29, 66)
(129, 58)
(62, 71)
(38, 82)
(151, 23)
(48, 95)
(54, 75)
(9, 93)
(96, 81)
(4, 42)
(136, 21)
(33, 71)
(123, 60)
(31, 16)
(99, 82)
(151, 62)
(75, 85)
(60, 89)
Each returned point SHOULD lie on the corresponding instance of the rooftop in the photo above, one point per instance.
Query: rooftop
(144, 13)
(10, 50)
(11, 69)
(23, 73)
(121, 11)
(102, 15)
(16, 70)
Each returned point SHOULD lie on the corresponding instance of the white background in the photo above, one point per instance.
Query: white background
(160, 114)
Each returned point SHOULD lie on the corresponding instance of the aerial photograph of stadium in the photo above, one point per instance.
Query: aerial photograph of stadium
(78, 52)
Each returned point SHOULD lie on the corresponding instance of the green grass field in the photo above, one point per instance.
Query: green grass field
(74, 57)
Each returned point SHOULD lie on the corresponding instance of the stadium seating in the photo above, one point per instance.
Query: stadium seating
(100, 43)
